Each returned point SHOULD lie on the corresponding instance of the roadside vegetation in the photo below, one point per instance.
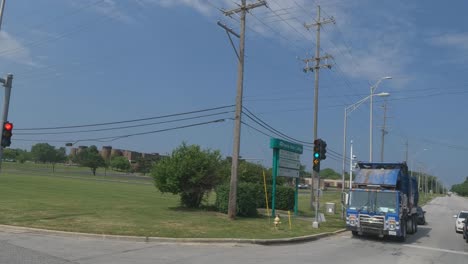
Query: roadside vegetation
(185, 195)
(461, 189)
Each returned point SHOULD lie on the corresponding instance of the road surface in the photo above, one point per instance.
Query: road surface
(435, 242)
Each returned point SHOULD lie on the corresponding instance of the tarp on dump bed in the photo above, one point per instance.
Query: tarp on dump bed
(377, 177)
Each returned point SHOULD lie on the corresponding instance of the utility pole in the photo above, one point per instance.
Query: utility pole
(242, 9)
(406, 156)
(384, 132)
(7, 82)
(2, 7)
(318, 24)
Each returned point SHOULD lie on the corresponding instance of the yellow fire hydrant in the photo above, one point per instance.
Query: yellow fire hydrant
(277, 221)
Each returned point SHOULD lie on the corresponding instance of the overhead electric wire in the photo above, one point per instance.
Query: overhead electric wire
(266, 126)
(263, 123)
(124, 127)
(127, 121)
(112, 138)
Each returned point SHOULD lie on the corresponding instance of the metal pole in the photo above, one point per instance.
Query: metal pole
(344, 148)
(315, 224)
(2, 7)
(351, 167)
(370, 122)
(232, 207)
(384, 131)
(6, 104)
(344, 161)
(274, 175)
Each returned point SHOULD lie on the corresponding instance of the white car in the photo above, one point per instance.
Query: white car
(462, 215)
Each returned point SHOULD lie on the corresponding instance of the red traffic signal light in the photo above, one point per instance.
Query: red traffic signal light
(6, 135)
(8, 126)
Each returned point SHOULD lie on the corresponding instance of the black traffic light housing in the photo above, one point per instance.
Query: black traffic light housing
(323, 149)
(316, 161)
(7, 133)
(320, 150)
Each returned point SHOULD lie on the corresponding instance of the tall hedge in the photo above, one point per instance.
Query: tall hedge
(246, 199)
(284, 197)
(252, 196)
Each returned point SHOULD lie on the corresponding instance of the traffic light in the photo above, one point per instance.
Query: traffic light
(316, 161)
(323, 149)
(7, 133)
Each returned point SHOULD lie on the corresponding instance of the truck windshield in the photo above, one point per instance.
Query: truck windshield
(359, 200)
(386, 202)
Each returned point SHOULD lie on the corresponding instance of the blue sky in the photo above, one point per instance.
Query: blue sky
(92, 61)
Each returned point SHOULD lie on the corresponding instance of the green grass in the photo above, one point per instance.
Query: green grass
(424, 199)
(90, 206)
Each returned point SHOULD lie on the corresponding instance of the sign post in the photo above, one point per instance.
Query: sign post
(286, 163)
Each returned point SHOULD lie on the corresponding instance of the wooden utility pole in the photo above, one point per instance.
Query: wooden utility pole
(318, 24)
(242, 9)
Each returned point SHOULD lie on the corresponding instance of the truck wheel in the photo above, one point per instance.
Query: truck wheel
(355, 233)
(410, 225)
(402, 238)
(415, 221)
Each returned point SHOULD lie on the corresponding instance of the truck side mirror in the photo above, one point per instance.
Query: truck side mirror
(455, 216)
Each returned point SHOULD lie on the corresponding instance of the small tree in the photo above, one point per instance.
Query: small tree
(143, 165)
(59, 155)
(43, 152)
(120, 163)
(91, 158)
(189, 172)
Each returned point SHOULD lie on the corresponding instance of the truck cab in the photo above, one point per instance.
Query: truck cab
(383, 201)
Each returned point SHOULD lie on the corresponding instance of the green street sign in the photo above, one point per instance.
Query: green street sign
(276, 143)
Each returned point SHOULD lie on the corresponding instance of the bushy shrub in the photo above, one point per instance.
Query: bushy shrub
(247, 197)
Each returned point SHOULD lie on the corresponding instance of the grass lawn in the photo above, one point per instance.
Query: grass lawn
(86, 205)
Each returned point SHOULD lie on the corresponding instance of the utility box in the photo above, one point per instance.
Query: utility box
(330, 208)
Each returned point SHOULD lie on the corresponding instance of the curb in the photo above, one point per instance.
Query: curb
(289, 240)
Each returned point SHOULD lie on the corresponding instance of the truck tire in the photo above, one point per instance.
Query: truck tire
(415, 221)
(355, 233)
(410, 225)
(402, 238)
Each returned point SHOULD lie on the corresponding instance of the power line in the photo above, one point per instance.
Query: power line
(127, 121)
(124, 127)
(112, 138)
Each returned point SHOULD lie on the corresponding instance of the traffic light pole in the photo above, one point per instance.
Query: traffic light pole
(6, 105)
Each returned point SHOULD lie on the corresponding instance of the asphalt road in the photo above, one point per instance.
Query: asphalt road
(435, 242)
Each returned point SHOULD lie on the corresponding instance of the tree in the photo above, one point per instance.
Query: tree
(461, 189)
(330, 174)
(43, 152)
(90, 157)
(9, 154)
(120, 163)
(190, 172)
(57, 156)
(143, 165)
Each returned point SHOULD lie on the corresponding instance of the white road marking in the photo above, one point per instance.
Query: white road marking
(438, 249)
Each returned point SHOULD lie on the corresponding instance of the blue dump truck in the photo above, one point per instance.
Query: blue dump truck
(383, 201)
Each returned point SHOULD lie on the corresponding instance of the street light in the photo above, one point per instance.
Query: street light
(372, 89)
(348, 110)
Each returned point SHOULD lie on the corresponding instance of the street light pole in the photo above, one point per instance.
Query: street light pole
(372, 89)
(347, 111)
(2, 7)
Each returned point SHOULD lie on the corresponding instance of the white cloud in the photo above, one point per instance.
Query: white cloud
(108, 8)
(13, 50)
(378, 52)
(452, 40)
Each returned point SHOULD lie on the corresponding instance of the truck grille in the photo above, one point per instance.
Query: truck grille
(372, 222)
